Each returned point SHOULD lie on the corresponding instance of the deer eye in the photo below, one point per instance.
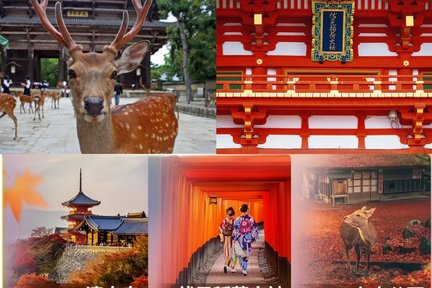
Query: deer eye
(114, 75)
(71, 74)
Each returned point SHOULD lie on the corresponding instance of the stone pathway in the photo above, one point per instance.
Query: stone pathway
(254, 278)
(56, 133)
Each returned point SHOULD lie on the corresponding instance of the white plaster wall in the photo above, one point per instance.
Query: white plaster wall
(281, 121)
(375, 49)
(425, 50)
(384, 142)
(225, 141)
(282, 141)
(225, 121)
(381, 122)
(346, 141)
(344, 122)
(234, 48)
(289, 49)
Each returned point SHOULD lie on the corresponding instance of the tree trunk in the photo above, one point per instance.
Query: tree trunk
(185, 46)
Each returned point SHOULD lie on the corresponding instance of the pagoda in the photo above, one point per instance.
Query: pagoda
(79, 208)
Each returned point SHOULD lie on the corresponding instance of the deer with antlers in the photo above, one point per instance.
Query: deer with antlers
(7, 106)
(146, 126)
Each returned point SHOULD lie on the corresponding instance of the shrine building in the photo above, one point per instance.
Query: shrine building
(300, 76)
(348, 179)
(89, 229)
(79, 208)
(92, 24)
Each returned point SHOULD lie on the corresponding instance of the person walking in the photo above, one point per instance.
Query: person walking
(6, 84)
(118, 91)
(226, 231)
(245, 233)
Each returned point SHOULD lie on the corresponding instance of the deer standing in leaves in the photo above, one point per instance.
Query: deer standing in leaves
(146, 126)
(7, 106)
(358, 233)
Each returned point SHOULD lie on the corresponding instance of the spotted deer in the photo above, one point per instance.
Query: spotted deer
(39, 102)
(7, 106)
(23, 100)
(146, 126)
(55, 98)
(358, 233)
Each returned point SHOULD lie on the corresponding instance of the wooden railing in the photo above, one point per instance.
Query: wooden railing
(331, 83)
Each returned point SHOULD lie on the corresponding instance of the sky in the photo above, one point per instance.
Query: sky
(118, 181)
(158, 57)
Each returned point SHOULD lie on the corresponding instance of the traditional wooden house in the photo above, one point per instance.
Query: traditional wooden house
(92, 23)
(301, 75)
(362, 178)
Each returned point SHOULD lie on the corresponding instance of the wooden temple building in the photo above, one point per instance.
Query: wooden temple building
(89, 229)
(297, 76)
(79, 208)
(92, 23)
(362, 178)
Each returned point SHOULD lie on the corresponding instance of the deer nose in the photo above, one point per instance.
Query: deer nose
(93, 105)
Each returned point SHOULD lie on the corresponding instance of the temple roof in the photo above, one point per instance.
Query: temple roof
(117, 225)
(81, 199)
(134, 226)
(101, 223)
(82, 21)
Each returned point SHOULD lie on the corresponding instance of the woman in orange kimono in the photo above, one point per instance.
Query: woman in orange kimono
(226, 230)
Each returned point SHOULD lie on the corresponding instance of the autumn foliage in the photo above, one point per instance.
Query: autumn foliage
(37, 255)
(33, 280)
(121, 269)
(324, 256)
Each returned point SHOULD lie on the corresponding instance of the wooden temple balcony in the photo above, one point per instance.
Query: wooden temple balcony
(324, 86)
(251, 100)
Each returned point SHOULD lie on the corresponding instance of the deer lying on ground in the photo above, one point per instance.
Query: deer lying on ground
(23, 100)
(146, 126)
(7, 106)
(358, 233)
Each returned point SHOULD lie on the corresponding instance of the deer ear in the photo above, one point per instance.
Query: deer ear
(370, 212)
(364, 208)
(132, 56)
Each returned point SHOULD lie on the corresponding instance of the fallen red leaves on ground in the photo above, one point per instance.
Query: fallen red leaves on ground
(324, 255)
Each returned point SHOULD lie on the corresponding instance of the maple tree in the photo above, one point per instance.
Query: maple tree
(33, 280)
(123, 268)
(23, 191)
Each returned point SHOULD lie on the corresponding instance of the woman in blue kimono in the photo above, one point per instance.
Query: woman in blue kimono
(245, 232)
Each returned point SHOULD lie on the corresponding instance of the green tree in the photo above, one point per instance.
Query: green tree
(192, 41)
(49, 70)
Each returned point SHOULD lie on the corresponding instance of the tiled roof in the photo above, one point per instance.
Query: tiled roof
(366, 160)
(134, 226)
(81, 199)
(116, 224)
(82, 21)
(99, 223)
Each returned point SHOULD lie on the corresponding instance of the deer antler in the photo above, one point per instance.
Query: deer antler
(63, 37)
(122, 39)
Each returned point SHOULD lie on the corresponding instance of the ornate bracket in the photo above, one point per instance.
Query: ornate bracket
(249, 117)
